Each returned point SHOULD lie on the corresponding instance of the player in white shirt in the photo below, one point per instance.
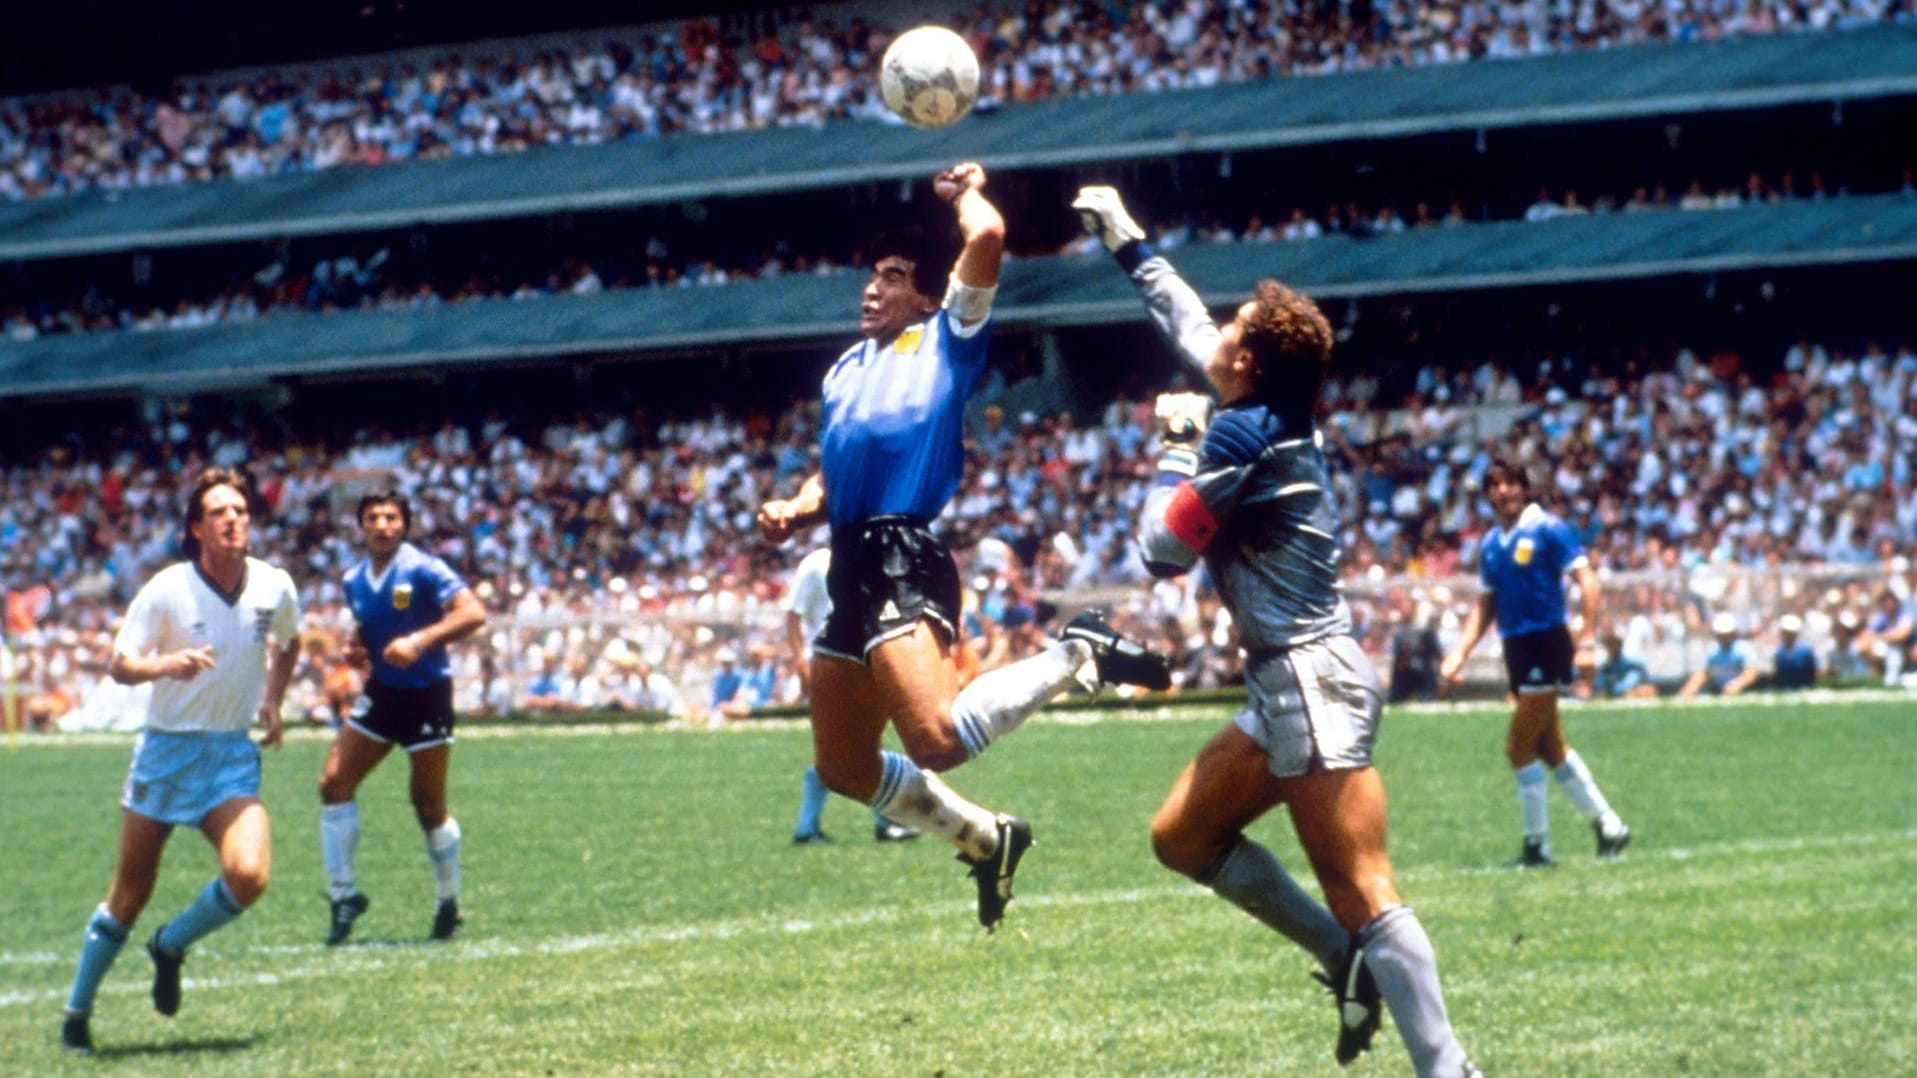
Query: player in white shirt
(218, 636)
(806, 607)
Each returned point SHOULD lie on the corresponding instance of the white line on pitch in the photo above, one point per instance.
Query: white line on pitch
(369, 957)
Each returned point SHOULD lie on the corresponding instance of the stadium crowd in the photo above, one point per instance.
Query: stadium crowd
(364, 275)
(692, 77)
(624, 548)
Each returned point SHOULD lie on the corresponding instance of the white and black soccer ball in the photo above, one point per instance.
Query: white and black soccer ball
(929, 76)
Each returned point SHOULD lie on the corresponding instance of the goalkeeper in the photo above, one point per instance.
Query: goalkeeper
(1248, 491)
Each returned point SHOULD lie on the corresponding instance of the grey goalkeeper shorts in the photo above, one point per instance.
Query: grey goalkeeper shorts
(1314, 706)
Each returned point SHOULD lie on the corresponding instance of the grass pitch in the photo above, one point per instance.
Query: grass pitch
(634, 906)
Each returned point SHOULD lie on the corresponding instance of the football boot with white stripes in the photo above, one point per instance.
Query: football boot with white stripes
(1359, 1005)
(1119, 661)
(994, 873)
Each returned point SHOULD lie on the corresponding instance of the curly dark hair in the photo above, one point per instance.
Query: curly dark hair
(1290, 340)
(931, 256)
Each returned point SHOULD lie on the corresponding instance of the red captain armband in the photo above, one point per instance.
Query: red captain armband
(1188, 519)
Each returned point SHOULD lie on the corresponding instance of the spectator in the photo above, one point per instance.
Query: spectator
(1795, 664)
(1620, 675)
(1415, 655)
(1847, 662)
(1887, 636)
(1731, 666)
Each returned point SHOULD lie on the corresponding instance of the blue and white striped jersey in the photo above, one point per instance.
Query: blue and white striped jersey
(893, 435)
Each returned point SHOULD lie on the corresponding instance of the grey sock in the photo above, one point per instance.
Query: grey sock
(1401, 958)
(1249, 877)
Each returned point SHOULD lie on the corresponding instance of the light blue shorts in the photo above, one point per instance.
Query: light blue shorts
(178, 778)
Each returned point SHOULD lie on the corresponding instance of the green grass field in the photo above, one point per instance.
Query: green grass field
(633, 906)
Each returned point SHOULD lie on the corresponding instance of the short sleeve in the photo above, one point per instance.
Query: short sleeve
(140, 629)
(1569, 550)
(442, 582)
(286, 615)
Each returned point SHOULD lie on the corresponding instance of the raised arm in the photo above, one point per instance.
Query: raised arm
(1173, 305)
(982, 228)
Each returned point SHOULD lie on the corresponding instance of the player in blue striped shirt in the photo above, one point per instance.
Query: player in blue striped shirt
(409, 605)
(1522, 564)
(892, 454)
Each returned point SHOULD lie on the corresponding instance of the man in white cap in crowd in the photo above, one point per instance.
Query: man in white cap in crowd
(1795, 664)
(1730, 668)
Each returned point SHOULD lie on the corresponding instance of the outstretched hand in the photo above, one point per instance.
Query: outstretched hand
(960, 178)
(1104, 215)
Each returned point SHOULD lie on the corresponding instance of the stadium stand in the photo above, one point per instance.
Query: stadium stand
(590, 453)
(1695, 477)
(653, 82)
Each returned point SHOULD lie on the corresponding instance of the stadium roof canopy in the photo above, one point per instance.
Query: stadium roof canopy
(799, 311)
(1643, 80)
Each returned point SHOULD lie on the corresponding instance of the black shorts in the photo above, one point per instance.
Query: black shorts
(1540, 661)
(887, 574)
(413, 719)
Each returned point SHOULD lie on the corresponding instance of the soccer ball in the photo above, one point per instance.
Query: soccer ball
(929, 76)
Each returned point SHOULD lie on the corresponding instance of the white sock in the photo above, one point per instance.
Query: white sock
(995, 703)
(917, 798)
(339, 840)
(1249, 877)
(442, 847)
(1533, 802)
(1401, 958)
(1576, 782)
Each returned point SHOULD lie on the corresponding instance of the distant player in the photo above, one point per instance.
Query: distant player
(218, 635)
(1252, 496)
(1522, 563)
(806, 607)
(409, 606)
(892, 455)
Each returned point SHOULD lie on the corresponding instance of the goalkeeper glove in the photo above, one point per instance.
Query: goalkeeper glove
(1104, 215)
(1182, 419)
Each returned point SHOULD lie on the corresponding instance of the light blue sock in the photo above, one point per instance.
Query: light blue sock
(104, 938)
(211, 910)
(811, 805)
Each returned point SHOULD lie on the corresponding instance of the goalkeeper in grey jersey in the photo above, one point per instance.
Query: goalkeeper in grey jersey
(1248, 492)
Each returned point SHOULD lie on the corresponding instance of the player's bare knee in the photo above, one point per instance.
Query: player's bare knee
(334, 790)
(1176, 850)
(430, 811)
(127, 901)
(935, 749)
(859, 784)
(247, 881)
(1553, 749)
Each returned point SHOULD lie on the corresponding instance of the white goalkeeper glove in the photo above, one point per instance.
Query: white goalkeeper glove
(1182, 420)
(1104, 215)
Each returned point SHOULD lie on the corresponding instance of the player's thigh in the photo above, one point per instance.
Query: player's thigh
(916, 679)
(352, 757)
(239, 830)
(1536, 730)
(428, 782)
(137, 866)
(1225, 787)
(1339, 817)
(847, 724)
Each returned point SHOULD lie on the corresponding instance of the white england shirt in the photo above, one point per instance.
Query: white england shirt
(179, 608)
(808, 597)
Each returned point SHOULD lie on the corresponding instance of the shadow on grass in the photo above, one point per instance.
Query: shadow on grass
(377, 944)
(194, 1046)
